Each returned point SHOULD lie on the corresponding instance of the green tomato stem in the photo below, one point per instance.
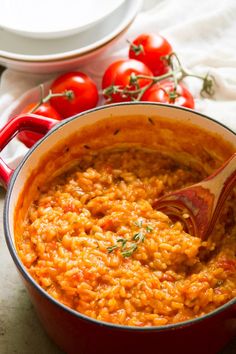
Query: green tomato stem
(177, 74)
(67, 93)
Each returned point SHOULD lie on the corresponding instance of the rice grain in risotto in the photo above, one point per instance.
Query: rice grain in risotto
(94, 242)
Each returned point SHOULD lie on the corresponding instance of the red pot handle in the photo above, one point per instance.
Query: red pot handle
(32, 122)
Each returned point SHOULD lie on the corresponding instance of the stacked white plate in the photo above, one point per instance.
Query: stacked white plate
(45, 36)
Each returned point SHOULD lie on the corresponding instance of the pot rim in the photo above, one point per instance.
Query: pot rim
(28, 278)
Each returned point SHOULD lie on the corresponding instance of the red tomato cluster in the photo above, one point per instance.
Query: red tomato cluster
(123, 80)
(147, 55)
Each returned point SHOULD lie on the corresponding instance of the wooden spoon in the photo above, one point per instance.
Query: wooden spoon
(199, 205)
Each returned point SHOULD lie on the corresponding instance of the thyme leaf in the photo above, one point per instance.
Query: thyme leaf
(139, 236)
(139, 223)
(123, 242)
(149, 228)
(129, 251)
(112, 248)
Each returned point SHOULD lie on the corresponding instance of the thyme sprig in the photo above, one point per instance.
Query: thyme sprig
(128, 249)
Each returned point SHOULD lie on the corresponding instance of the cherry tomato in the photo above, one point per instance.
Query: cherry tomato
(149, 49)
(84, 94)
(119, 74)
(46, 110)
(164, 92)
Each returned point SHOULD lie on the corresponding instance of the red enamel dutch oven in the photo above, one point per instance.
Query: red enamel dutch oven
(76, 333)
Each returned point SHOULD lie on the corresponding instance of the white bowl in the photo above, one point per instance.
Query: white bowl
(43, 56)
(54, 19)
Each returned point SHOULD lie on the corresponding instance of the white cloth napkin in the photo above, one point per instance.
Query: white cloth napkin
(202, 32)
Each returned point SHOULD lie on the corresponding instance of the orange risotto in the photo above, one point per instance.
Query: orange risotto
(94, 242)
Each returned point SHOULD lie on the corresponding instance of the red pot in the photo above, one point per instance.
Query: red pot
(77, 333)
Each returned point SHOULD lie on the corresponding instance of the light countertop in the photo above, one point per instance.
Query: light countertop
(20, 330)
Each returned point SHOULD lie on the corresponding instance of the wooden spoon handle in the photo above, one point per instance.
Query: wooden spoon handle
(221, 183)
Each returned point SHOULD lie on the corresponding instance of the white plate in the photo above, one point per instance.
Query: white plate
(17, 48)
(53, 18)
